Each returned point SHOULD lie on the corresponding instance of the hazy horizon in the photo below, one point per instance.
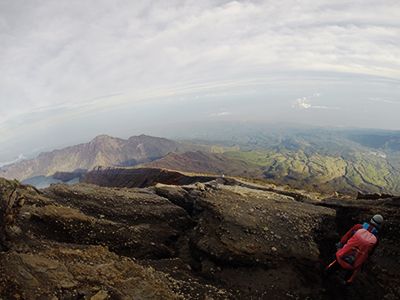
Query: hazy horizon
(71, 70)
(186, 132)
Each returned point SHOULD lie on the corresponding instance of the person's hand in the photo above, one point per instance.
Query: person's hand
(339, 245)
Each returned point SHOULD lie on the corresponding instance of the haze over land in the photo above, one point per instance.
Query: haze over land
(73, 70)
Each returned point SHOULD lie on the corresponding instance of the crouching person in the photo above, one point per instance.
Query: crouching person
(356, 246)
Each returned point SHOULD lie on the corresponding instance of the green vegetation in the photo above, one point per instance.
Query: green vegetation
(325, 159)
(361, 171)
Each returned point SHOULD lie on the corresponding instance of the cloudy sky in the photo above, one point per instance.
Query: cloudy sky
(72, 69)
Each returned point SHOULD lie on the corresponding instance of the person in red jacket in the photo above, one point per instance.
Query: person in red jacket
(356, 246)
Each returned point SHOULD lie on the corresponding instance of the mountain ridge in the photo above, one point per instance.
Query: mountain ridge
(324, 160)
(103, 150)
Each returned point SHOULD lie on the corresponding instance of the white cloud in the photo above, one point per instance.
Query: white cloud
(325, 107)
(305, 103)
(221, 114)
(302, 103)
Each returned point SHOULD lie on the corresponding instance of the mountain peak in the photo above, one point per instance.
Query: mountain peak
(102, 137)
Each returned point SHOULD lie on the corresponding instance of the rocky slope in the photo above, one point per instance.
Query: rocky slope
(223, 239)
(101, 151)
(140, 177)
(208, 163)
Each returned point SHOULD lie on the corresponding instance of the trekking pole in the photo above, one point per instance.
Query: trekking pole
(331, 265)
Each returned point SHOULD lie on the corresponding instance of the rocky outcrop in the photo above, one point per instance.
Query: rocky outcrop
(57, 271)
(140, 177)
(130, 222)
(87, 242)
(216, 240)
(271, 238)
(11, 201)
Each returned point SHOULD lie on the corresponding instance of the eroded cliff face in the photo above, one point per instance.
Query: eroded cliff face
(217, 240)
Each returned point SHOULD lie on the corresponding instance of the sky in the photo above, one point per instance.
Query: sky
(73, 69)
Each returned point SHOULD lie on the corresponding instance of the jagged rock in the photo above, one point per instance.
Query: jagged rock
(192, 242)
(72, 272)
(230, 232)
(230, 210)
(11, 201)
(135, 222)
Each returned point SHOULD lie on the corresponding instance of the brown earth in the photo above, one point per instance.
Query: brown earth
(208, 163)
(218, 240)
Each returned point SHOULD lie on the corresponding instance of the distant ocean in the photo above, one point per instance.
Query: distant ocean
(42, 182)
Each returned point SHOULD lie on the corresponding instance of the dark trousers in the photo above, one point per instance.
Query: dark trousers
(337, 268)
